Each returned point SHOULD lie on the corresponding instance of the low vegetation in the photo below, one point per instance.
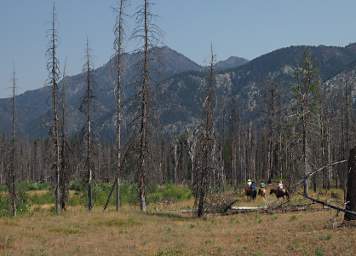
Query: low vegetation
(166, 229)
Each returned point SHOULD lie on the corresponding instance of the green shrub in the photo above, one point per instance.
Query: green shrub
(22, 206)
(76, 185)
(3, 188)
(43, 198)
(170, 193)
(128, 193)
(31, 186)
(319, 252)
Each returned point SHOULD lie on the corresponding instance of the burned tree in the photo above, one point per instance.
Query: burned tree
(272, 106)
(205, 178)
(64, 148)
(146, 32)
(351, 187)
(306, 93)
(119, 50)
(86, 107)
(11, 176)
(53, 68)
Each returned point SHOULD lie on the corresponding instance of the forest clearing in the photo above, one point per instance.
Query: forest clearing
(151, 153)
(168, 229)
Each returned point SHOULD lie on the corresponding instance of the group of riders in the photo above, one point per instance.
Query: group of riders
(251, 189)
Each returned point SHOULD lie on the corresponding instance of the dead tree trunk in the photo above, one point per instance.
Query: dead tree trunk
(53, 69)
(12, 173)
(205, 169)
(88, 133)
(351, 187)
(65, 173)
(118, 45)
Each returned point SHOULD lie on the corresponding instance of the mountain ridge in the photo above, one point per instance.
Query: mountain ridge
(178, 87)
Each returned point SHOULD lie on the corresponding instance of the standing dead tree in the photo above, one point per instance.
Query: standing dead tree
(64, 149)
(306, 96)
(53, 68)
(206, 168)
(272, 106)
(119, 32)
(119, 50)
(86, 107)
(351, 187)
(11, 177)
(146, 32)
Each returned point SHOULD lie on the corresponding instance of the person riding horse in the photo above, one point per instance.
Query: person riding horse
(262, 190)
(251, 189)
(281, 191)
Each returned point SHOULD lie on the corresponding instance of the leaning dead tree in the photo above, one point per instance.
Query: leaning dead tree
(86, 107)
(53, 68)
(206, 169)
(11, 177)
(146, 33)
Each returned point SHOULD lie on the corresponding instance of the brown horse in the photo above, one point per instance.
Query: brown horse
(262, 192)
(249, 192)
(279, 193)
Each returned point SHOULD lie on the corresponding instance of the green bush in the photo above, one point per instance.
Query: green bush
(101, 191)
(31, 186)
(3, 188)
(76, 185)
(43, 198)
(23, 205)
(128, 193)
(170, 193)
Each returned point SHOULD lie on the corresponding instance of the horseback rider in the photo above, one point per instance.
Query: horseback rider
(253, 186)
(281, 186)
(249, 183)
(262, 185)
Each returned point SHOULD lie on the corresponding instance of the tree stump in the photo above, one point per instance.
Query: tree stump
(351, 187)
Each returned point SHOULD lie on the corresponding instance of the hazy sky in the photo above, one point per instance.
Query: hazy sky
(246, 28)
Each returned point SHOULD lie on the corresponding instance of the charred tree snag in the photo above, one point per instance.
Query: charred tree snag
(206, 176)
(118, 45)
(86, 107)
(53, 68)
(146, 32)
(351, 187)
(11, 182)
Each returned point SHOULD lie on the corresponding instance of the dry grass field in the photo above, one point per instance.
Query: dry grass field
(161, 232)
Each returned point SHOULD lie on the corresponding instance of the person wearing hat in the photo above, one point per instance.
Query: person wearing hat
(281, 186)
(249, 183)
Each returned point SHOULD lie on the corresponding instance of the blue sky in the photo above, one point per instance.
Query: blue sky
(246, 28)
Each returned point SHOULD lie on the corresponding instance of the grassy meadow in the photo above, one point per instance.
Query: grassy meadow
(165, 230)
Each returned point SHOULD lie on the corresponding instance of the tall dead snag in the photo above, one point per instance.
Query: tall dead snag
(11, 181)
(65, 172)
(351, 187)
(306, 95)
(346, 130)
(146, 33)
(53, 69)
(86, 107)
(272, 106)
(119, 50)
(206, 174)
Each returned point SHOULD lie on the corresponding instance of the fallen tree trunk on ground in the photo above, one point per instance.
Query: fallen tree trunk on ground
(349, 211)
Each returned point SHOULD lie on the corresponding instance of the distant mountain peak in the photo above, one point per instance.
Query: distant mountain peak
(231, 62)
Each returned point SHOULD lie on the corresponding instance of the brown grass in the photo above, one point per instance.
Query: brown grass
(160, 232)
